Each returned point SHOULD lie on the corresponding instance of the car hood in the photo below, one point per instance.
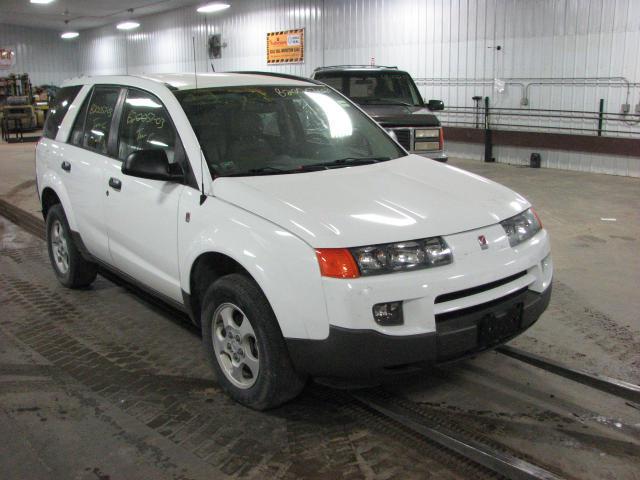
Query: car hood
(403, 199)
(400, 115)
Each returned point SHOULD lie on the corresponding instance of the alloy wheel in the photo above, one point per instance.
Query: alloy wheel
(59, 247)
(235, 345)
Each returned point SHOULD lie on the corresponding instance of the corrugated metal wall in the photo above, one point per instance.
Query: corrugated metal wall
(456, 39)
(164, 42)
(449, 44)
(41, 53)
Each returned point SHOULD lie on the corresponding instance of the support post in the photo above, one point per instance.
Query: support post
(488, 141)
(600, 117)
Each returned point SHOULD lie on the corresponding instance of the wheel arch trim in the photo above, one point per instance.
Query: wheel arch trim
(284, 266)
(51, 181)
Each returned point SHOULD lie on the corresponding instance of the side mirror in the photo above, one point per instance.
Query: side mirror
(152, 164)
(435, 105)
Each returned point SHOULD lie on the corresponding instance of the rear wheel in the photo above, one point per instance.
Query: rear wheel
(71, 269)
(245, 346)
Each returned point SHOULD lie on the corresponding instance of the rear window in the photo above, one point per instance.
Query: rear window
(374, 88)
(63, 100)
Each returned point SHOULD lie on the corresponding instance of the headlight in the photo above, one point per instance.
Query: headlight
(393, 257)
(521, 227)
(427, 133)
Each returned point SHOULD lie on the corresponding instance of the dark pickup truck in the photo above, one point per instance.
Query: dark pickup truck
(391, 98)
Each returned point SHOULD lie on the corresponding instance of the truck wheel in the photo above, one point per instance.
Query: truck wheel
(72, 270)
(245, 345)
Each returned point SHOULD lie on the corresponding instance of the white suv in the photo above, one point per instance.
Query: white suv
(288, 224)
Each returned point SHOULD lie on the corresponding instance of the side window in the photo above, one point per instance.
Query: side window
(77, 133)
(63, 101)
(145, 125)
(98, 120)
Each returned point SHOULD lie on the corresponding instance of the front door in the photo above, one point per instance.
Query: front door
(142, 214)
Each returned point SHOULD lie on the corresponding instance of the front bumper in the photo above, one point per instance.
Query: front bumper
(367, 353)
(440, 155)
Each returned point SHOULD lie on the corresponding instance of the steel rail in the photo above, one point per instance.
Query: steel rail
(541, 115)
(517, 127)
(619, 388)
(499, 462)
(32, 224)
(473, 109)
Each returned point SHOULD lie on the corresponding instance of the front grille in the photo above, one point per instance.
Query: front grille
(447, 297)
(456, 314)
(404, 137)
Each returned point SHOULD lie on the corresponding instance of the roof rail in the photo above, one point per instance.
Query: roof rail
(338, 67)
(280, 75)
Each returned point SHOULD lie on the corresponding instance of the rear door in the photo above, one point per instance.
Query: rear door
(142, 214)
(48, 148)
(86, 155)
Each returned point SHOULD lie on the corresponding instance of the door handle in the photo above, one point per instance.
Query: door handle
(66, 166)
(115, 183)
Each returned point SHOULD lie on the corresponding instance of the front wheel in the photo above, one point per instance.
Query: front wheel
(245, 345)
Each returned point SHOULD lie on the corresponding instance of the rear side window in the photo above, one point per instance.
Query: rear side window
(77, 133)
(93, 124)
(62, 102)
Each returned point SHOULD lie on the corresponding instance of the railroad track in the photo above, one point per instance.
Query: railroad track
(619, 388)
(33, 225)
(496, 458)
(461, 443)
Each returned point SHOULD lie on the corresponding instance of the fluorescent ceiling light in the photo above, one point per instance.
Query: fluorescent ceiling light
(67, 35)
(129, 25)
(213, 7)
(41, 2)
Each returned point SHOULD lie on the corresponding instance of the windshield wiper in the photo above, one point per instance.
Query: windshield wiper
(343, 162)
(261, 171)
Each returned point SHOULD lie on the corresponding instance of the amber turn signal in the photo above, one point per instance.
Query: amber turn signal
(337, 263)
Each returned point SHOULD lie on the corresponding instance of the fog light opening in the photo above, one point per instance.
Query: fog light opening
(389, 313)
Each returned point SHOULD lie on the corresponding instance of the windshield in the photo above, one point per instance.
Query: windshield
(270, 130)
(385, 88)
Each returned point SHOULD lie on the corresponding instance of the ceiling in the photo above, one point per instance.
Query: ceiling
(82, 14)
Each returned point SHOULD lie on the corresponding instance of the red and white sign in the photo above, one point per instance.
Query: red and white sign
(7, 57)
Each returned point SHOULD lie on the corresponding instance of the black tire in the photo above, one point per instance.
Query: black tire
(80, 272)
(276, 381)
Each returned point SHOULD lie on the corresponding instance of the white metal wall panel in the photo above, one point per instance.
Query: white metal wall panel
(102, 52)
(579, 161)
(164, 42)
(40, 53)
(445, 39)
(455, 38)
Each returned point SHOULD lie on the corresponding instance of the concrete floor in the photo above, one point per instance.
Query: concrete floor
(58, 415)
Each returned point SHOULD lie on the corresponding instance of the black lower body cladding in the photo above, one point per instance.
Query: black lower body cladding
(367, 353)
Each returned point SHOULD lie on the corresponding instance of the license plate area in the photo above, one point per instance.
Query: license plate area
(493, 328)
